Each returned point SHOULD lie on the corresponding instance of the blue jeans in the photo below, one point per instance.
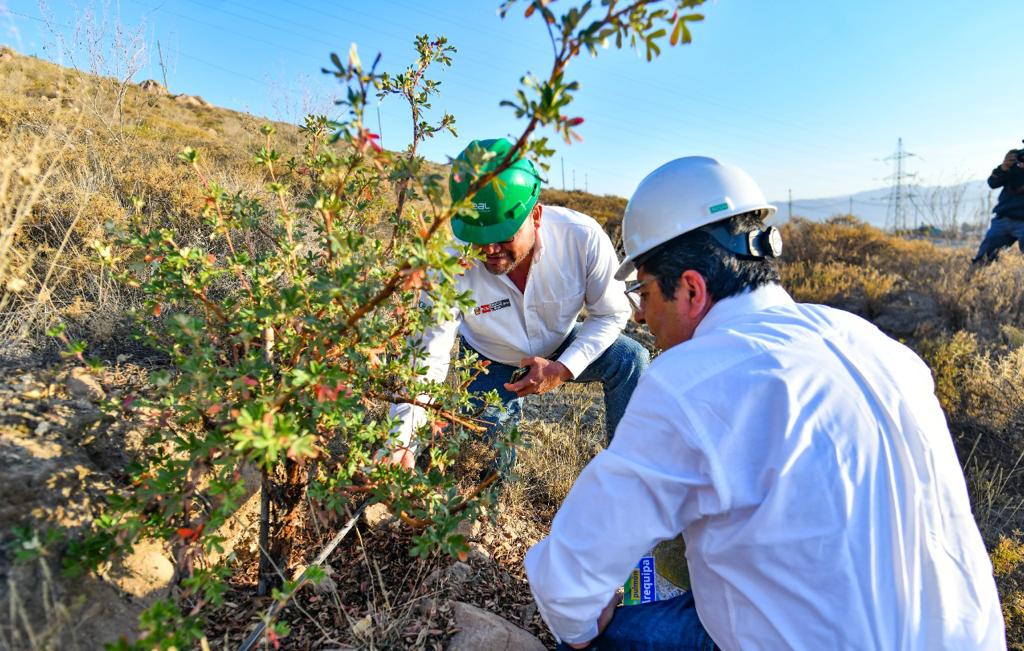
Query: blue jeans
(662, 625)
(1003, 232)
(618, 369)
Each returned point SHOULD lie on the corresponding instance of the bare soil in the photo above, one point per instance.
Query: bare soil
(62, 456)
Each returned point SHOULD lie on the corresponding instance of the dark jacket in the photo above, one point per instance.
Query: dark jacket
(1011, 199)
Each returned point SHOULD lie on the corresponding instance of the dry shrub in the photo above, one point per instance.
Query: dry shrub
(606, 209)
(1008, 566)
(983, 397)
(859, 288)
(855, 266)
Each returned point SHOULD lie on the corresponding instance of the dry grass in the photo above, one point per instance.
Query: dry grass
(982, 394)
(858, 267)
(606, 209)
(68, 170)
(564, 430)
(36, 616)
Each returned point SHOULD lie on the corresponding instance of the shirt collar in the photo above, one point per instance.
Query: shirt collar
(762, 298)
(538, 247)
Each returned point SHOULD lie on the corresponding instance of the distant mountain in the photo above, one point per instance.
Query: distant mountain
(940, 206)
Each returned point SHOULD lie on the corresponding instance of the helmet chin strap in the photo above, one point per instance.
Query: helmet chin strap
(758, 244)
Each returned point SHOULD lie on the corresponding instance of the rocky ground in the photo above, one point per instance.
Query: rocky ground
(62, 454)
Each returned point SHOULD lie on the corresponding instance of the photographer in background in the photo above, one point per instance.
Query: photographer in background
(1008, 225)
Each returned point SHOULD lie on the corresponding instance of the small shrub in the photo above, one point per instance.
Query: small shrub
(1008, 566)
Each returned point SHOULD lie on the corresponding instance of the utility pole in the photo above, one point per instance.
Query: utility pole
(899, 193)
(574, 179)
(562, 158)
(850, 212)
(791, 203)
(586, 182)
(163, 68)
(380, 129)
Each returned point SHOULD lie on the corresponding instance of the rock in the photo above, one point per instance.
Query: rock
(6, 54)
(527, 612)
(485, 630)
(470, 529)
(145, 573)
(153, 87)
(478, 553)
(377, 515)
(454, 575)
(190, 100)
(459, 572)
(83, 386)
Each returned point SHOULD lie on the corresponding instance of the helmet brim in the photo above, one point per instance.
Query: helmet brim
(490, 233)
(625, 269)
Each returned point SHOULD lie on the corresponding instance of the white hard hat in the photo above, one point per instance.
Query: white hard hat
(681, 196)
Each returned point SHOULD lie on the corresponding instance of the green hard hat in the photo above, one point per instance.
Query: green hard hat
(503, 204)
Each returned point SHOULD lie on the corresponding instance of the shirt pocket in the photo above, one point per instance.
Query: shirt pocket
(558, 315)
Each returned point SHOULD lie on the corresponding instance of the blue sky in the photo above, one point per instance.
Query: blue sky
(807, 95)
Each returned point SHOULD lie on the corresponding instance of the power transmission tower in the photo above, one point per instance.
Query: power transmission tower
(899, 193)
(562, 158)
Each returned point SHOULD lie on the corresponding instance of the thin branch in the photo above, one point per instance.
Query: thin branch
(421, 523)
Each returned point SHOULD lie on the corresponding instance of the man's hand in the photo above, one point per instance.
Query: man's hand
(400, 456)
(544, 376)
(603, 619)
(1009, 161)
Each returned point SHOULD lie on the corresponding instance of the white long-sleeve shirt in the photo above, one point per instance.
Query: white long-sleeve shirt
(573, 266)
(806, 461)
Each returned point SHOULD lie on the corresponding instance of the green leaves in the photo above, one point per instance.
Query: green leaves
(189, 156)
(681, 32)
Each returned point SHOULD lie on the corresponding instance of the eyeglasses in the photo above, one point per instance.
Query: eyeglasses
(633, 293)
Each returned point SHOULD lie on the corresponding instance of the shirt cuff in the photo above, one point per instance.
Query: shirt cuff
(591, 633)
(574, 360)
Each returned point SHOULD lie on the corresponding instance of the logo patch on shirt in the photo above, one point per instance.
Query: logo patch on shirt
(492, 307)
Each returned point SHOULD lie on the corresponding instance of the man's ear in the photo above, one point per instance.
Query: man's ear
(535, 214)
(692, 294)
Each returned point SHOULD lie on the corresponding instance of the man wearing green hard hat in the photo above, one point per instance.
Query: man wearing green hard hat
(541, 266)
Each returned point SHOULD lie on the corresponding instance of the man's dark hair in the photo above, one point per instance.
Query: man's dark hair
(724, 272)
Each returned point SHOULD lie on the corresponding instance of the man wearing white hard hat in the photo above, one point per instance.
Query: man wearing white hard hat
(800, 452)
